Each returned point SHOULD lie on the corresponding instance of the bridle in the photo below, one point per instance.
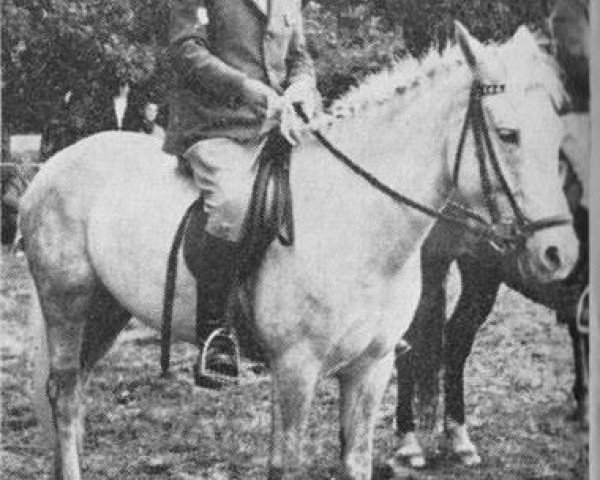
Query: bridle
(506, 235)
(502, 235)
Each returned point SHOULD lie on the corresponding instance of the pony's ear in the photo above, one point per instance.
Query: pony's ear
(526, 40)
(472, 49)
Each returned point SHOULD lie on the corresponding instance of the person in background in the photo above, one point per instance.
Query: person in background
(148, 115)
(69, 122)
(113, 111)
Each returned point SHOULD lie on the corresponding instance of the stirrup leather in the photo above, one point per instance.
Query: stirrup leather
(228, 342)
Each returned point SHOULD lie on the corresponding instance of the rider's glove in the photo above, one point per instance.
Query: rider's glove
(278, 110)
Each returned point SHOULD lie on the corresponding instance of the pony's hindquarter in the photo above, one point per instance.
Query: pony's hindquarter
(75, 319)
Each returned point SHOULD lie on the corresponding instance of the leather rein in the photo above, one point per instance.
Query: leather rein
(502, 236)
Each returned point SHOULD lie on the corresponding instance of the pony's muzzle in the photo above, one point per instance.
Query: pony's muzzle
(551, 254)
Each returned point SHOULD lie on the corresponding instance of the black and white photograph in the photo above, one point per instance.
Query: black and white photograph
(298, 239)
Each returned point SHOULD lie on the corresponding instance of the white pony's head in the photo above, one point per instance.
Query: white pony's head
(521, 116)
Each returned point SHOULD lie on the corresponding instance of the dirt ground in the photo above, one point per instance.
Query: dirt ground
(139, 426)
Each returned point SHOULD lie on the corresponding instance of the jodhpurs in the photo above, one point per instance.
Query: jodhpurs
(225, 171)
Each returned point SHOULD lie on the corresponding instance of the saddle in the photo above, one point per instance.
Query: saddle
(269, 217)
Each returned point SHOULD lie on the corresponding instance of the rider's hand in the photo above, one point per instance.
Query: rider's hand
(277, 110)
(257, 95)
(281, 113)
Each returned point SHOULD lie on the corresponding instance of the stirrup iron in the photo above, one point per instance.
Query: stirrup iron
(228, 343)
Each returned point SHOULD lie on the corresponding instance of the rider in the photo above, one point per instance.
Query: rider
(240, 68)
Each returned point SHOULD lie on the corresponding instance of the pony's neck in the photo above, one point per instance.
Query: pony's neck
(403, 144)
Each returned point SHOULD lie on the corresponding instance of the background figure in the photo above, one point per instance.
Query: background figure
(69, 122)
(113, 110)
(148, 115)
(56, 133)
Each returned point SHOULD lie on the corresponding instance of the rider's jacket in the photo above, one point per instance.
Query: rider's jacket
(214, 45)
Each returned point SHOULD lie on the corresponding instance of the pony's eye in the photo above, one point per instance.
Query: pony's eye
(509, 135)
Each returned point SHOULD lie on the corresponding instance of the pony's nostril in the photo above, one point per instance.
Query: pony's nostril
(552, 257)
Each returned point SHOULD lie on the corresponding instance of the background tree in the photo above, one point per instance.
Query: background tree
(50, 46)
(430, 22)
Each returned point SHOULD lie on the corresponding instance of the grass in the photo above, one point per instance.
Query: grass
(140, 426)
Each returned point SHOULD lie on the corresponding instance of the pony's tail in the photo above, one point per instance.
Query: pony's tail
(41, 368)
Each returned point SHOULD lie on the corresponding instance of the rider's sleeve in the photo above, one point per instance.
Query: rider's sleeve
(191, 57)
(301, 67)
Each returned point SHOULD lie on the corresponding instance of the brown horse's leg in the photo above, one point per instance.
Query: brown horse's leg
(361, 390)
(580, 361)
(479, 289)
(425, 335)
(105, 320)
(294, 378)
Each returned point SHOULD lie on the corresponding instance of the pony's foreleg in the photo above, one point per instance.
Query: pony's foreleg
(294, 378)
(361, 390)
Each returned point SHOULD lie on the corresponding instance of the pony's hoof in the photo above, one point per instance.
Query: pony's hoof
(410, 452)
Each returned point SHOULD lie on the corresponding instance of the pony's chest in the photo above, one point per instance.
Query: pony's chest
(368, 323)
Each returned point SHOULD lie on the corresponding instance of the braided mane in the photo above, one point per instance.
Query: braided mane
(411, 76)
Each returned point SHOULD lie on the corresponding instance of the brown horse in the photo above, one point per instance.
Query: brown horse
(440, 341)
(336, 302)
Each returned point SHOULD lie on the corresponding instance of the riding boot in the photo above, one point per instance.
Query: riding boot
(216, 265)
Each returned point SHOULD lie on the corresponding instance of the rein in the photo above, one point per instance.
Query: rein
(503, 236)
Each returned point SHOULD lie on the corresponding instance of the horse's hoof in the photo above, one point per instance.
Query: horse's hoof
(410, 452)
(459, 445)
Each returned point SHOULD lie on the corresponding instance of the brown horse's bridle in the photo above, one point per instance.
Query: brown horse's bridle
(502, 235)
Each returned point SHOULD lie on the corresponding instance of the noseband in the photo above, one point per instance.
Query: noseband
(502, 235)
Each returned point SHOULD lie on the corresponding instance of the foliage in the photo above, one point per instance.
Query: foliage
(51, 46)
(430, 22)
(351, 39)
(346, 49)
